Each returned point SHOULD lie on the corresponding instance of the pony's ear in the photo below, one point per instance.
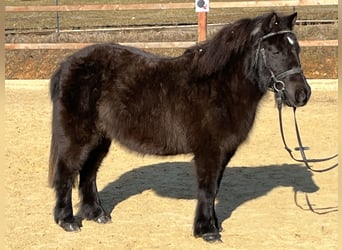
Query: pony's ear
(270, 22)
(273, 21)
(291, 20)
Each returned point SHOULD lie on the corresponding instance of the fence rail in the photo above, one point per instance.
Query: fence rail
(143, 45)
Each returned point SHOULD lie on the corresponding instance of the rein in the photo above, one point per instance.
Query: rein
(278, 86)
(301, 148)
(304, 159)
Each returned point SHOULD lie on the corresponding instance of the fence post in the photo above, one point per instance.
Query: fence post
(202, 26)
(202, 7)
(57, 17)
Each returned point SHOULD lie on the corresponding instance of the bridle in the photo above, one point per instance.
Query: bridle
(276, 80)
(278, 87)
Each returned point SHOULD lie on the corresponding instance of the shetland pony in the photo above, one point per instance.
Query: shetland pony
(202, 102)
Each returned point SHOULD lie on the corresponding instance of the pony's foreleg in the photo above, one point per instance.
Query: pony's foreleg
(208, 169)
(91, 207)
(224, 161)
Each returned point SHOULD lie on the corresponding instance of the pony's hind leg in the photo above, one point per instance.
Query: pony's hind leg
(63, 183)
(74, 159)
(91, 208)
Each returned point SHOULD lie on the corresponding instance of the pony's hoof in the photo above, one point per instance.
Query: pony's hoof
(212, 237)
(103, 219)
(70, 227)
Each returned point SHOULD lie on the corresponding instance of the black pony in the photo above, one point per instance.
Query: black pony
(203, 102)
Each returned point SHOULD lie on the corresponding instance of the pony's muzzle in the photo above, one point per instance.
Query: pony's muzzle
(297, 93)
(302, 96)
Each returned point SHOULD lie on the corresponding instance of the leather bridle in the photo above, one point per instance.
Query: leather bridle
(277, 83)
(278, 86)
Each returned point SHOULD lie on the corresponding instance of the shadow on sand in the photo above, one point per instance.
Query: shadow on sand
(177, 180)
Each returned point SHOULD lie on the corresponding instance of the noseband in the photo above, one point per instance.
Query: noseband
(277, 85)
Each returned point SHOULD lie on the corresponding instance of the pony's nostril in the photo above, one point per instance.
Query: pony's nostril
(301, 97)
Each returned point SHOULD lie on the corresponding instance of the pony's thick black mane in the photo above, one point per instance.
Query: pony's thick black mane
(234, 38)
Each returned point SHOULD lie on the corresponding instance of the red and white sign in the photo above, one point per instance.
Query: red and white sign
(202, 5)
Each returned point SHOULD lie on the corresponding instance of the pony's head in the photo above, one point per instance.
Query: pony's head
(277, 59)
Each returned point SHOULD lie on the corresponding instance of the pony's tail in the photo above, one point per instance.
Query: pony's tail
(54, 89)
(52, 161)
(54, 83)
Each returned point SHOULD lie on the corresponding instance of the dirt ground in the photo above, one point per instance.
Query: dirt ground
(152, 199)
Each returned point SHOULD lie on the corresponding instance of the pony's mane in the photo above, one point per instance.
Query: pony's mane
(233, 39)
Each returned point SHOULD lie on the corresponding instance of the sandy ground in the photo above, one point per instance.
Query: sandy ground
(152, 199)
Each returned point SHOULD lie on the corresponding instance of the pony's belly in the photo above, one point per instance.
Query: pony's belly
(148, 137)
(153, 145)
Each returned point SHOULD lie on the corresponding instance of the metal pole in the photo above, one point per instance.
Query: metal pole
(57, 17)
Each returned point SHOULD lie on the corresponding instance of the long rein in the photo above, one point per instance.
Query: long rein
(305, 160)
(300, 147)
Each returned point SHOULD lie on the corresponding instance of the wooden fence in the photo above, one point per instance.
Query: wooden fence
(202, 26)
